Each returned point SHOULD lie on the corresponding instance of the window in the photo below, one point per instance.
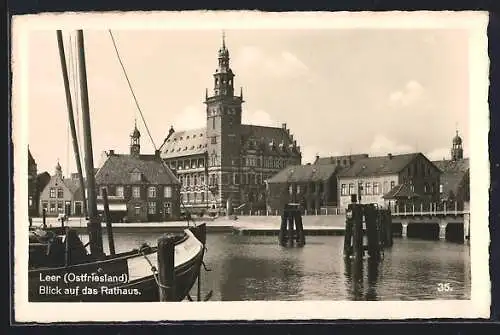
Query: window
(236, 179)
(188, 197)
(60, 193)
(30, 201)
(368, 188)
(52, 207)
(168, 208)
(135, 176)
(45, 205)
(360, 188)
(441, 188)
(136, 192)
(60, 207)
(214, 140)
(137, 210)
(426, 188)
(393, 183)
(188, 180)
(195, 197)
(259, 179)
(152, 192)
(290, 189)
(52, 192)
(376, 190)
(119, 191)
(351, 188)
(193, 164)
(151, 207)
(202, 197)
(298, 189)
(101, 190)
(343, 189)
(167, 192)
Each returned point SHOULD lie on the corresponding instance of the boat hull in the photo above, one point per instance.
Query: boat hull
(127, 277)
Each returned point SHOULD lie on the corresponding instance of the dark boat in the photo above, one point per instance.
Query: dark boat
(62, 270)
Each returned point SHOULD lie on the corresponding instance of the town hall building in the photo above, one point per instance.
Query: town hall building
(227, 161)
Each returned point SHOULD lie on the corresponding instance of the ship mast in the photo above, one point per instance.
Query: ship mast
(94, 222)
(71, 118)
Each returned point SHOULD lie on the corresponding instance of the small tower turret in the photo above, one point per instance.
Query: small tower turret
(135, 141)
(457, 151)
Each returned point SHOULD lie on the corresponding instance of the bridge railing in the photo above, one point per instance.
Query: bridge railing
(426, 209)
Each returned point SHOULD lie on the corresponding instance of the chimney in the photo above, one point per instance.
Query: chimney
(111, 152)
(316, 160)
(283, 125)
(389, 155)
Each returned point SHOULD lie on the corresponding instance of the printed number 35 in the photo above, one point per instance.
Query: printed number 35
(444, 287)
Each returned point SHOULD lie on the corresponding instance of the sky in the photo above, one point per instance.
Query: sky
(340, 91)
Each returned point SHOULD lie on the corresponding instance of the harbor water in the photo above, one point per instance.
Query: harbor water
(257, 268)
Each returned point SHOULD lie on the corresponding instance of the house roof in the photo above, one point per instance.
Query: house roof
(402, 191)
(339, 159)
(271, 140)
(375, 166)
(117, 168)
(304, 173)
(72, 184)
(453, 173)
(184, 143)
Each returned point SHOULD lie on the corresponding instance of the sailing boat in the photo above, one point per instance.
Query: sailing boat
(62, 270)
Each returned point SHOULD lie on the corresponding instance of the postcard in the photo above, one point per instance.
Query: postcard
(250, 166)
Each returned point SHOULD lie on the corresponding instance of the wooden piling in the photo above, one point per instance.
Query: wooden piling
(290, 228)
(357, 216)
(109, 227)
(44, 218)
(372, 231)
(301, 239)
(282, 234)
(348, 232)
(166, 267)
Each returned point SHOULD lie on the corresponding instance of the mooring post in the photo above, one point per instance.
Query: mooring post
(301, 239)
(282, 234)
(290, 227)
(166, 267)
(372, 231)
(357, 216)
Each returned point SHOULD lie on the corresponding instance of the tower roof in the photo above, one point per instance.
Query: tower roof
(223, 51)
(135, 133)
(457, 140)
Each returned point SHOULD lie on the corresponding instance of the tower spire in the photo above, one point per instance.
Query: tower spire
(223, 39)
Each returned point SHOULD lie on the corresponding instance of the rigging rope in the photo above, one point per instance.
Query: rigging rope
(130, 87)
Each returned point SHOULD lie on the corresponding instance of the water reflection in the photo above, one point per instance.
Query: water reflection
(257, 268)
(355, 279)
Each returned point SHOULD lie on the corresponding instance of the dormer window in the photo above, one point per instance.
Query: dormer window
(136, 176)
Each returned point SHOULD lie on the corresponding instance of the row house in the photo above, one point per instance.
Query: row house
(372, 177)
(140, 187)
(61, 196)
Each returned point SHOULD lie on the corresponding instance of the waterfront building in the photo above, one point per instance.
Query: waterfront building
(61, 195)
(313, 186)
(32, 186)
(455, 180)
(227, 161)
(140, 187)
(372, 177)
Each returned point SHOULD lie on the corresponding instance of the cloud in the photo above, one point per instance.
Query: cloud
(281, 64)
(381, 145)
(190, 118)
(258, 117)
(438, 154)
(411, 93)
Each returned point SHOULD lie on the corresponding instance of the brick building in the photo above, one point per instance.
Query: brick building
(313, 186)
(140, 187)
(455, 179)
(61, 195)
(372, 177)
(238, 157)
(32, 186)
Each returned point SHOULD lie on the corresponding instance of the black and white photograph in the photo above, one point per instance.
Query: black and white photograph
(245, 165)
